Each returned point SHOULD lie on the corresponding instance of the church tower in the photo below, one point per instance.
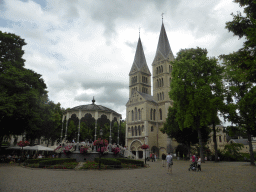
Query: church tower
(162, 68)
(139, 76)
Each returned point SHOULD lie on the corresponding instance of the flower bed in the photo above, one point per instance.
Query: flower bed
(100, 142)
(116, 150)
(23, 143)
(144, 146)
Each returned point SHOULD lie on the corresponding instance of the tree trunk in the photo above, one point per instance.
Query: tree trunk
(188, 149)
(1, 140)
(215, 142)
(200, 140)
(250, 148)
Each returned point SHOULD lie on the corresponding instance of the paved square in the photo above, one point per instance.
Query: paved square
(223, 176)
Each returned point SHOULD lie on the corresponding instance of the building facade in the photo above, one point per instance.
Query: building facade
(146, 113)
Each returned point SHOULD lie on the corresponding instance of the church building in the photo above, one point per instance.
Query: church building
(146, 113)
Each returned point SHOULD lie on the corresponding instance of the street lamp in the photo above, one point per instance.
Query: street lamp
(101, 133)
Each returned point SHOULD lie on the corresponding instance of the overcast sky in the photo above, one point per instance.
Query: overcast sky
(86, 48)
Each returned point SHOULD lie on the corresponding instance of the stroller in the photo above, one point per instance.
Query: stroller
(193, 167)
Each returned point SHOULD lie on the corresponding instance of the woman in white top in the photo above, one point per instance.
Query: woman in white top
(199, 163)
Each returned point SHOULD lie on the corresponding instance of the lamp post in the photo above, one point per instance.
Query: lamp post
(101, 133)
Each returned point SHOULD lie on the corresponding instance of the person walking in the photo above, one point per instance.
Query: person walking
(199, 163)
(169, 163)
(163, 160)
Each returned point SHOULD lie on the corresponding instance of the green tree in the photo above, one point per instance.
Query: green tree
(188, 136)
(231, 151)
(245, 26)
(195, 77)
(122, 126)
(72, 130)
(21, 88)
(240, 72)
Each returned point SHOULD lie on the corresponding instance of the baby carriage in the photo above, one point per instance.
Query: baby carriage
(193, 167)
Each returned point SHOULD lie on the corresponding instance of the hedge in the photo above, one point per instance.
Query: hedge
(131, 161)
(55, 161)
(35, 161)
(109, 161)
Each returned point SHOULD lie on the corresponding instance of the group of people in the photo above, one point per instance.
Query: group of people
(153, 156)
(196, 161)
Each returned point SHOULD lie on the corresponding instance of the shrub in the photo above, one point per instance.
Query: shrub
(55, 162)
(35, 161)
(131, 161)
(109, 161)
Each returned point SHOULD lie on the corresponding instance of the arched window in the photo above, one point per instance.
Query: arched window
(151, 114)
(163, 95)
(132, 131)
(129, 129)
(135, 113)
(157, 83)
(139, 114)
(154, 115)
(157, 96)
(160, 114)
(132, 116)
(162, 82)
(139, 130)
(152, 128)
(157, 70)
(160, 96)
(135, 131)
(142, 128)
(162, 70)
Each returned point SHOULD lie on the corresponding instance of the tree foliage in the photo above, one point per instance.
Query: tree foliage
(186, 136)
(21, 88)
(240, 72)
(195, 80)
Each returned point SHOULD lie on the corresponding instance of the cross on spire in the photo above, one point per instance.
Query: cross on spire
(139, 31)
(162, 16)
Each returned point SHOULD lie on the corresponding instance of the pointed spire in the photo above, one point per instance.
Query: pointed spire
(163, 46)
(139, 59)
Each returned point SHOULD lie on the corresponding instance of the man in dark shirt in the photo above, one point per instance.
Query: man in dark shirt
(163, 160)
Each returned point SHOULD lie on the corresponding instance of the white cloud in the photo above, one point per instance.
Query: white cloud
(86, 48)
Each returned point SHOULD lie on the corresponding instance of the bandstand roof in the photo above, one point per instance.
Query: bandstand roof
(93, 107)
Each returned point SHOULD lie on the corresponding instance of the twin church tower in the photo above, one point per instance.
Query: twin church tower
(146, 114)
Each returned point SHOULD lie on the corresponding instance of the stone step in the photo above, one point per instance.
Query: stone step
(79, 165)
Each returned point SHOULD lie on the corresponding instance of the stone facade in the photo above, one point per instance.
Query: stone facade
(146, 114)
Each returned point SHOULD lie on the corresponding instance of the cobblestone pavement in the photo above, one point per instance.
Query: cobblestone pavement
(223, 176)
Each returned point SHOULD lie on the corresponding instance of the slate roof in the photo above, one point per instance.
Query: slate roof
(139, 58)
(147, 97)
(163, 46)
(241, 141)
(93, 107)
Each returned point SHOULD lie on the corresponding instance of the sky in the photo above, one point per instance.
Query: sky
(86, 48)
